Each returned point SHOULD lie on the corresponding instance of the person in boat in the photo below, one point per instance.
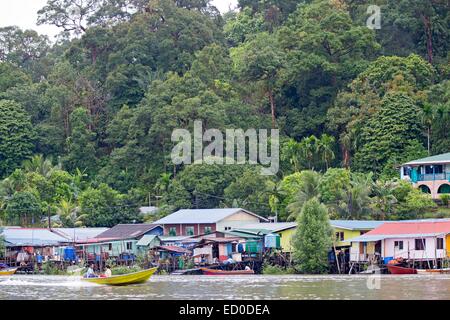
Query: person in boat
(108, 272)
(90, 272)
(247, 268)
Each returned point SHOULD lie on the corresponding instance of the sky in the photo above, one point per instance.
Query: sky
(23, 13)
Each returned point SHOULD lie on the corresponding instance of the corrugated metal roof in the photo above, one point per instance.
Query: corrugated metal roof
(79, 234)
(407, 229)
(356, 224)
(273, 227)
(31, 237)
(174, 238)
(195, 216)
(440, 158)
(127, 231)
(146, 240)
(412, 227)
(147, 210)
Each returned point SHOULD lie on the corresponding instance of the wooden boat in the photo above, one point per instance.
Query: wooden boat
(433, 271)
(8, 272)
(125, 279)
(393, 269)
(214, 272)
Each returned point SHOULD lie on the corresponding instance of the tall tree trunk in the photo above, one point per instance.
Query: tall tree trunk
(273, 108)
(427, 25)
(346, 157)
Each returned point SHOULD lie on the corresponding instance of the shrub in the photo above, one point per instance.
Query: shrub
(271, 269)
(445, 198)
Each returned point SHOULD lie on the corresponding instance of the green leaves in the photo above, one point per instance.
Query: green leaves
(312, 241)
(16, 136)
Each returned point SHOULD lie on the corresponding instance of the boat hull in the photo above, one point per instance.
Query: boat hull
(123, 280)
(401, 270)
(433, 271)
(213, 272)
(8, 272)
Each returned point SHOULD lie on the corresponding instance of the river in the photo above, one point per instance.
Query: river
(391, 287)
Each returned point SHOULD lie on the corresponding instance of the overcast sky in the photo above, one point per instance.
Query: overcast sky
(23, 13)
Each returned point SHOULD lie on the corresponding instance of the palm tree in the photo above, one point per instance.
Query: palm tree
(292, 152)
(68, 213)
(326, 144)
(384, 200)
(427, 117)
(309, 189)
(309, 148)
(39, 165)
(275, 195)
(358, 195)
(77, 183)
(162, 185)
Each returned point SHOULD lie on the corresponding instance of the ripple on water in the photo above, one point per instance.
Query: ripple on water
(231, 287)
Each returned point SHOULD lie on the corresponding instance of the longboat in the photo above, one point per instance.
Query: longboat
(216, 272)
(125, 279)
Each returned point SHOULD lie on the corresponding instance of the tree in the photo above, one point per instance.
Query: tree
(325, 50)
(80, 145)
(24, 48)
(326, 145)
(39, 165)
(105, 207)
(70, 15)
(23, 208)
(309, 188)
(249, 191)
(69, 214)
(260, 60)
(16, 136)
(312, 240)
(416, 205)
(384, 200)
(10, 77)
(388, 133)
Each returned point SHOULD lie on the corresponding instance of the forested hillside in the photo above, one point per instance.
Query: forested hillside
(86, 120)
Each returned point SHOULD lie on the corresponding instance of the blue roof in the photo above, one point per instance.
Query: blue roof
(356, 224)
(194, 216)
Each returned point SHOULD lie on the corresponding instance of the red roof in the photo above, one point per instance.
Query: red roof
(417, 227)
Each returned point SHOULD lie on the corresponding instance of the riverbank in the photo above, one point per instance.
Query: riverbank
(286, 287)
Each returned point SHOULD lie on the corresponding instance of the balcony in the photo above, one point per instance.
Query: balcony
(434, 176)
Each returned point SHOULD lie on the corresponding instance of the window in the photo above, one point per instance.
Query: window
(110, 247)
(407, 171)
(420, 244)
(208, 230)
(398, 245)
(129, 245)
(440, 243)
(189, 231)
(340, 236)
(173, 231)
(227, 228)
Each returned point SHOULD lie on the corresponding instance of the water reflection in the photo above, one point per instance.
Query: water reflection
(226, 287)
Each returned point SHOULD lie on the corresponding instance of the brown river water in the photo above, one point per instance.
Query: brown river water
(331, 287)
